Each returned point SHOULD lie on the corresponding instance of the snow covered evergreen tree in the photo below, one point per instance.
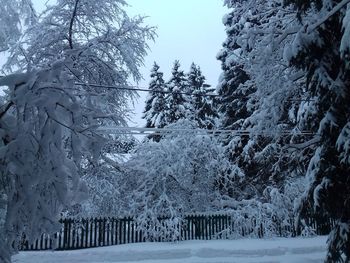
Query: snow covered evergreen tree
(201, 107)
(48, 122)
(321, 48)
(263, 89)
(155, 104)
(234, 90)
(175, 101)
(232, 104)
(316, 44)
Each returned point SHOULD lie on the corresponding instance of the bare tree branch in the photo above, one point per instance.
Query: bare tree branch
(71, 24)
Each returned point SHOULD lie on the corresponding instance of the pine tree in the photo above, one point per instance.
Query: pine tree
(176, 102)
(200, 106)
(155, 103)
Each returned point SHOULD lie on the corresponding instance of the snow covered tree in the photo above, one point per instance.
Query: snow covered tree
(39, 171)
(234, 94)
(258, 92)
(175, 101)
(309, 96)
(48, 122)
(178, 174)
(201, 107)
(105, 180)
(155, 103)
(321, 48)
(15, 17)
(105, 45)
(235, 103)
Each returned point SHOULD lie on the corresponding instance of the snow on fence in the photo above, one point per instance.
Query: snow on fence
(98, 232)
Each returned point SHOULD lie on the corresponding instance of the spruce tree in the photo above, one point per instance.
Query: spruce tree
(155, 103)
(200, 106)
(175, 100)
(234, 90)
(255, 91)
(322, 51)
(234, 87)
(233, 94)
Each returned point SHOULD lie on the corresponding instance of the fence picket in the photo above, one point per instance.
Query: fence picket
(128, 229)
(132, 232)
(115, 231)
(120, 231)
(73, 235)
(108, 232)
(94, 243)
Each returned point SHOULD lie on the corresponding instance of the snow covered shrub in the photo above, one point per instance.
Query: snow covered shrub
(268, 217)
(252, 219)
(306, 230)
(157, 226)
(105, 198)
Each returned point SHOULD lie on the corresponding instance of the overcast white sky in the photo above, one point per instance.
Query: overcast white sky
(188, 30)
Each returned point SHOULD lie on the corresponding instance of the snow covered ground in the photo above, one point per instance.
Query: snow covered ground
(298, 250)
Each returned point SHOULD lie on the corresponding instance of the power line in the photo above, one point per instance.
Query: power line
(188, 134)
(162, 131)
(137, 88)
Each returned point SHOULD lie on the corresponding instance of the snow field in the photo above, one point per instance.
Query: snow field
(278, 250)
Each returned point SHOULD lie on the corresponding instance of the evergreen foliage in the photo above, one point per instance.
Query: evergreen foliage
(321, 49)
(155, 106)
(299, 51)
(201, 107)
(176, 102)
(258, 97)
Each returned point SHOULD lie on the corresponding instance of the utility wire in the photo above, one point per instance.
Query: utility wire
(161, 131)
(137, 88)
(188, 134)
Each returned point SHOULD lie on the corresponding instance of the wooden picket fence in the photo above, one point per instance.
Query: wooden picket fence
(98, 232)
